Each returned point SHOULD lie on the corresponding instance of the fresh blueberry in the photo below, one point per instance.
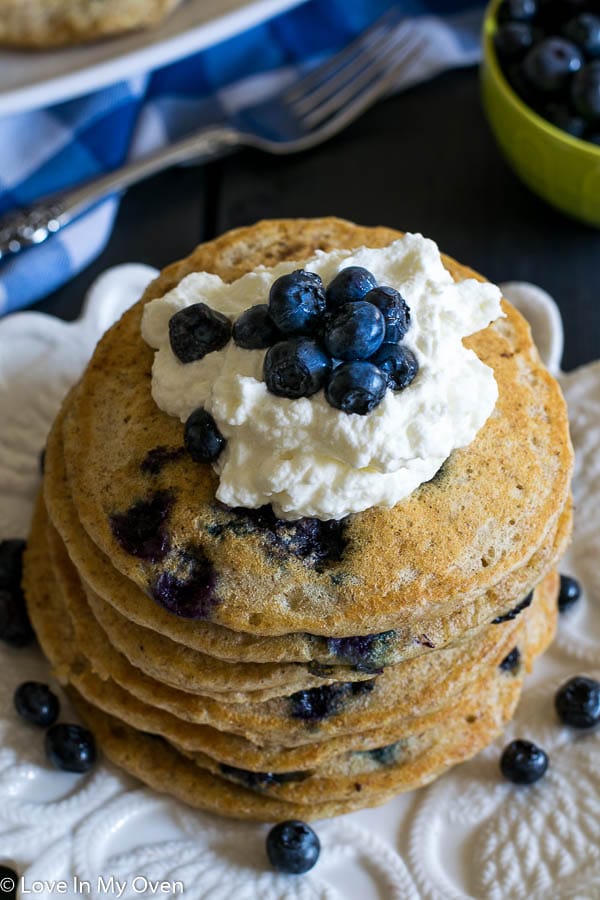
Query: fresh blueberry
(515, 611)
(196, 331)
(523, 762)
(355, 331)
(577, 702)
(512, 661)
(356, 387)
(584, 30)
(9, 882)
(517, 10)
(293, 847)
(70, 747)
(36, 703)
(202, 438)
(395, 311)
(549, 64)
(585, 92)
(398, 364)
(140, 530)
(15, 627)
(349, 285)
(297, 302)
(561, 115)
(254, 329)
(296, 368)
(569, 593)
(513, 39)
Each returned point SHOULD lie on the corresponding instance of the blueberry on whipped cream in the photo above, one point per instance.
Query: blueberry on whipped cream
(346, 384)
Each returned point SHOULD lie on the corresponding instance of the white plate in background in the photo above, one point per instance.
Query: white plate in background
(33, 79)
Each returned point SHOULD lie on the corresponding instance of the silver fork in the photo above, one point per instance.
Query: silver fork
(309, 112)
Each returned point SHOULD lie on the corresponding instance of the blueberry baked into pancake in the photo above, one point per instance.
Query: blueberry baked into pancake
(38, 24)
(295, 547)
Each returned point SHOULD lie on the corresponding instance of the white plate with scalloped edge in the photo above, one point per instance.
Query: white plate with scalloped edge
(35, 79)
(468, 835)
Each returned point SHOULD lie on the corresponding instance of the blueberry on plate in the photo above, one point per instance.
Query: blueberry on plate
(584, 30)
(297, 302)
(296, 368)
(11, 562)
(15, 627)
(202, 438)
(517, 10)
(522, 762)
(569, 593)
(356, 331)
(71, 748)
(254, 329)
(577, 702)
(585, 92)
(549, 64)
(398, 364)
(394, 309)
(36, 703)
(349, 285)
(513, 39)
(356, 387)
(196, 331)
(293, 847)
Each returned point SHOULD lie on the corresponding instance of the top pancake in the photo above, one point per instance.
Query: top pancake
(481, 518)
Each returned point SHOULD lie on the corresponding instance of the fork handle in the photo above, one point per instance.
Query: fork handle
(33, 225)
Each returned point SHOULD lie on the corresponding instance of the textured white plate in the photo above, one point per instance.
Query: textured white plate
(469, 835)
(34, 79)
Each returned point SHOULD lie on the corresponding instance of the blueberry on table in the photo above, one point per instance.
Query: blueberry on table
(513, 39)
(254, 329)
(522, 762)
(569, 593)
(36, 703)
(296, 368)
(398, 364)
(293, 847)
(9, 882)
(356, 331)
(585, 92)
(584, 30)
(196, 331)
(297, 303)
(71, 748)
(394, 309)
(356, 387)
(349, 285)
(517, 10)
(549, 64)
(202, 438)
(577, 702)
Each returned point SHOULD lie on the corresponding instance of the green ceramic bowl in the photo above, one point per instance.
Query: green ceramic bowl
(564, 170)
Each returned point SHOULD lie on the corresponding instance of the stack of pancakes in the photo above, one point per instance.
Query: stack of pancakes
(267, 669)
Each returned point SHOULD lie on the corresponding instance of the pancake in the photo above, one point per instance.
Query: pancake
(494, 502)
(101, 580)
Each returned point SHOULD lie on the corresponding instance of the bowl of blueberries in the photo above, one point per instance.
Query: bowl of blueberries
(541, 92)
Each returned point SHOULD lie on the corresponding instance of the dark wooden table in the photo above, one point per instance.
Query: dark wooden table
(423, 160)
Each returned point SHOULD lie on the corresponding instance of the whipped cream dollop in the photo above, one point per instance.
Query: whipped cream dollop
(303, 456)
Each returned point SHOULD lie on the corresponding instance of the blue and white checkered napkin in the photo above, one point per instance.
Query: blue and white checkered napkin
(46, 150)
